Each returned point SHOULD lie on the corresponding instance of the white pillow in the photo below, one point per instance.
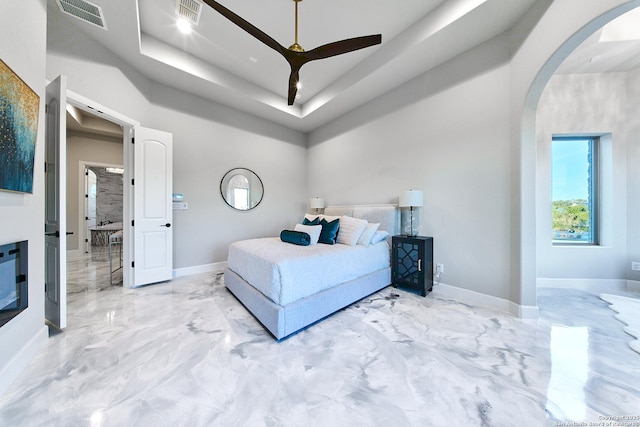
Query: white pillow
(367, 234)
(312, 230)
(379, 237)
(350, 230)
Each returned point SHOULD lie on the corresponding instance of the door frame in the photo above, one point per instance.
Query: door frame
(128, 125)
(82, 226)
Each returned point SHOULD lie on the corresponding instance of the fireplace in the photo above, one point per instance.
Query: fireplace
(13, 280)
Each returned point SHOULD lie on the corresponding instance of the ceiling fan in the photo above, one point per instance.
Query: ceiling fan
(295, 54)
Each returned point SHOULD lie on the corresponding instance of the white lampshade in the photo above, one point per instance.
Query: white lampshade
(316, 203)
(411, 198)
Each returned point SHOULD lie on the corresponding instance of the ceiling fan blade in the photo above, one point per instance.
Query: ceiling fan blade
(294, 78)
(247, 26)
(343, 46)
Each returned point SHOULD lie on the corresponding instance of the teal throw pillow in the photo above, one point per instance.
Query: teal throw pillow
(329, 231)
(316, 221)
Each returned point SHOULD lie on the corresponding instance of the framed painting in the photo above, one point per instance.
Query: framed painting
(19, 110)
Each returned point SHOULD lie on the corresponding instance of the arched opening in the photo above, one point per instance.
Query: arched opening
(527, 204)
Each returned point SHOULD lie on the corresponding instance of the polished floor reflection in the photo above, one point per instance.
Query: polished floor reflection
(187, 353)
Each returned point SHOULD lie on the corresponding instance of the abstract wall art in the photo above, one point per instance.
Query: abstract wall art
(19, 110)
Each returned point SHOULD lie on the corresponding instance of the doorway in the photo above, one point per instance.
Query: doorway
(102, 194)
(102, 139)
(100, 203)
(95, 208)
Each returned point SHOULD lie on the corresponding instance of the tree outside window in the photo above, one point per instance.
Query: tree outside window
(574, 184)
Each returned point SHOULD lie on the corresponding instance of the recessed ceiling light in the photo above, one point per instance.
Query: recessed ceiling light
(252, 59)
(189, 10)
(184, 26)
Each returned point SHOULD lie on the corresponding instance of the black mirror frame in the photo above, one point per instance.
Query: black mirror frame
(222, 192)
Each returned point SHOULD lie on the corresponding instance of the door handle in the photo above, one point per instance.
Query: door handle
(69, 233)
(166, 225)
(419, 264)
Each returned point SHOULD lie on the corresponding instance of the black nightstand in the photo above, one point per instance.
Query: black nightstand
(412, 263)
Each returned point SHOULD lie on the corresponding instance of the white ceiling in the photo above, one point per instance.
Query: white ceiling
(84, 122)
(221, 62)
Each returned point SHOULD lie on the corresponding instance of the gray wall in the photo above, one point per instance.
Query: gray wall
(591, 103)
(208, 141)
(437, 133)
(22, 48)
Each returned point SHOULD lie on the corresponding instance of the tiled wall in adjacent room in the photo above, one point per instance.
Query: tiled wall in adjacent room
(109, 196)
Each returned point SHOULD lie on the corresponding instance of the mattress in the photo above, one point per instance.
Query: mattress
(285, 273)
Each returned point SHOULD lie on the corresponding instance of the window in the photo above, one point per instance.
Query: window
(574, 190)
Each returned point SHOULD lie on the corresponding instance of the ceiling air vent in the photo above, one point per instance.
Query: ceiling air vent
(189, 10)
(81, 9)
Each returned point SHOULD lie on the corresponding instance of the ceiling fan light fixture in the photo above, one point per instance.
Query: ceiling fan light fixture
(298, 85)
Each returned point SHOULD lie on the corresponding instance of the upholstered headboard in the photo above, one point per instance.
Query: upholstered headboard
(387, 215)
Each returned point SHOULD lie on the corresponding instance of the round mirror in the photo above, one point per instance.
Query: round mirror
(242, 189)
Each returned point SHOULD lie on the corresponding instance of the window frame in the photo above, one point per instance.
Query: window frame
(593, 194)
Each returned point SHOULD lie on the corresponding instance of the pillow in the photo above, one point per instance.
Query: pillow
(379, 237)
(329, 231)
(312, 230)
(307, 221)
(310, 219)
(367, 234)
(329, 218)
(350, 230)
(295, 237)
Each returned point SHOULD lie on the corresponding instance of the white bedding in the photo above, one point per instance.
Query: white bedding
(284, 272)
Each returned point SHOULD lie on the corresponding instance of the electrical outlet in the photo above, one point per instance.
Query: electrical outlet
(439, 268)
(635, 266)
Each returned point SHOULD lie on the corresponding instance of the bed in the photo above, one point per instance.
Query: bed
(288, 287)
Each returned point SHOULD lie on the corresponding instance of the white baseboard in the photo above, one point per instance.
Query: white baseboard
(467, 296)
(197, 269)
(594, 286)
(633, 285)
(20, 361)
(525, 312)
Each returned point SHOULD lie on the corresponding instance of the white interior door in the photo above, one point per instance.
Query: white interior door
(55, 204)
(90, 186)
(153, 215)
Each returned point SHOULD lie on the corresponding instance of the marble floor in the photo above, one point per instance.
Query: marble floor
(187, 353)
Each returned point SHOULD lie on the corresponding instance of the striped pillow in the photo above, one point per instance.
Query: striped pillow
(350, 230)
